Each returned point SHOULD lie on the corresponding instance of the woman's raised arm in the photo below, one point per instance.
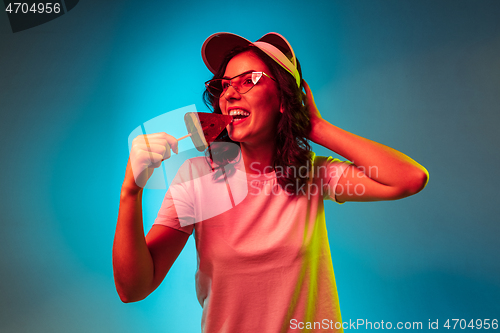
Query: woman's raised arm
(140, 263)
(378, 172)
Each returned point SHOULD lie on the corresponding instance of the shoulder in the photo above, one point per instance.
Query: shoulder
(198, 162)
(193, 168)
(327, 166)
(317, 161)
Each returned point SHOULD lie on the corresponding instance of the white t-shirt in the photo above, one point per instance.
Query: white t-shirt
(264, 265)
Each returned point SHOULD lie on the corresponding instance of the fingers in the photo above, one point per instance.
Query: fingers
(164, 138)
(309, 98)
(307, 89)
(174, 144)
(150, 154)
(160, 143)
(147, 153)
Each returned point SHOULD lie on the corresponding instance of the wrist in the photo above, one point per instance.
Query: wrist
(317, 128)
(130, 190)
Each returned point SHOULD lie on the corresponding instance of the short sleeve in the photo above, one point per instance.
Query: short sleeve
(198, 193)
(169, 217)
(327, 171)
(177, 208)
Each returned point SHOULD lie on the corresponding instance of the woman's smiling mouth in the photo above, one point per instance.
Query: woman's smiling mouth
(239, 115)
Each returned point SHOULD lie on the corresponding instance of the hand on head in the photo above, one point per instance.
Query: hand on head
(314, 113)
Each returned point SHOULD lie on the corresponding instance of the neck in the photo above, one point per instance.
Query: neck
(258, 159)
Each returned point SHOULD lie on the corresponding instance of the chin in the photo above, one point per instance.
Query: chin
(236, 138)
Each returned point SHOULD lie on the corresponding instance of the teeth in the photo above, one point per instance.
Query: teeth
(237, 112)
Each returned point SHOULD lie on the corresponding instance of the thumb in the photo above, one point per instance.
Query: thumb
(175, 147)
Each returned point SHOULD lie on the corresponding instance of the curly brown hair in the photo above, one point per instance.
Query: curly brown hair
(293, 151)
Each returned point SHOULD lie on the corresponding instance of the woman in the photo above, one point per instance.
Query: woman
(264, 265)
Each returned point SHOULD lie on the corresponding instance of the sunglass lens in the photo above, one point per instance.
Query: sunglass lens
(214, 87)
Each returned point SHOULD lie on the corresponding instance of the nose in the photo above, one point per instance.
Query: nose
(231, 93)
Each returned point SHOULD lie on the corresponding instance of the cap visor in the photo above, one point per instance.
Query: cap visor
(217, 46)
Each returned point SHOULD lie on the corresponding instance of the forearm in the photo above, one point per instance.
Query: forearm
(379, 162)
(132, 261)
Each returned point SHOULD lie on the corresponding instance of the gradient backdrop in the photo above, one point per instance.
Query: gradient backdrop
(420, 76)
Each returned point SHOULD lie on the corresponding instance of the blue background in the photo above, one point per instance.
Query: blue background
(420, 76)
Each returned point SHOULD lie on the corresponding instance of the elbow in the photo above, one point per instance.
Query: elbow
(124, 296)
(130, 295)
(130, 285)
(418, 181)
(127, 299)
(412, 184)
